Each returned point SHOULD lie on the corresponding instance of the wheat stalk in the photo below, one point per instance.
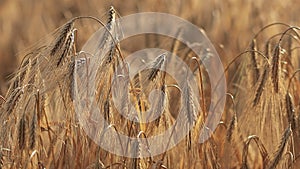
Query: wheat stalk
(253, 47)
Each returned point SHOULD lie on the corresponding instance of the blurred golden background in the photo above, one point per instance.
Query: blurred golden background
(229, 24)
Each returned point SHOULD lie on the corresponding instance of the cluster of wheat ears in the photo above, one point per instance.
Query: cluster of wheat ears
(259, 126)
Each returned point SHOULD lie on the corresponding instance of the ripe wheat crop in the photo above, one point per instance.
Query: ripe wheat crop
(259, 127)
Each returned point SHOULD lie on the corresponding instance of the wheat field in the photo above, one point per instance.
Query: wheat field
(41, 54)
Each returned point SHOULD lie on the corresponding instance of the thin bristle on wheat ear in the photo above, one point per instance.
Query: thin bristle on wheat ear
(71, 70)
(3, 100)
(260, 146)
(125, 96)
(25, 67)
(13, 99)
(161, 104)
(269, 26)
(277, 156)
(237, 57)
(144, 145)
(275, 67)
(253, 48)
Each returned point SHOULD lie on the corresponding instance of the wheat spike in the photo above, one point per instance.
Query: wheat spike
(67, 47)
(157, 64)
(290, 111)
(22, 132)
(63, 35)
(275, 67)
(277, 156)
(261, 86)
(33, 126)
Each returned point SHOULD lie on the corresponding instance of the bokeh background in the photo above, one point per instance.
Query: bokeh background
(229, 24)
